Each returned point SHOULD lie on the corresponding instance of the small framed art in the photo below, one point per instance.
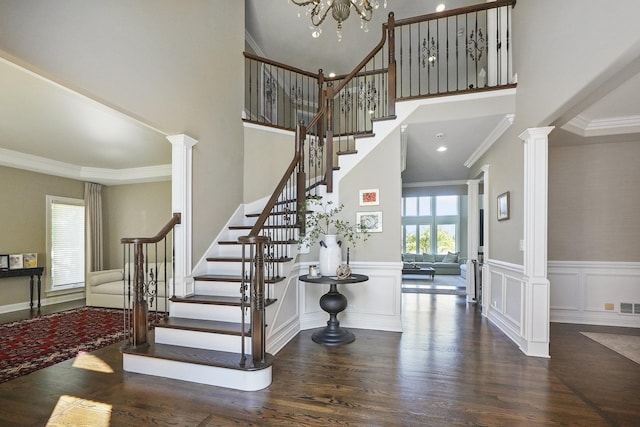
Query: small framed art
(369, 221)
(15, 261)
(370, 197)
(30, 260)
(4, 262)
(503, 206)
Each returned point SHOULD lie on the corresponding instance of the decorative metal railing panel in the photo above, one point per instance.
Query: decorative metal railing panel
(278, 95)
(461, 50)
(149, 268)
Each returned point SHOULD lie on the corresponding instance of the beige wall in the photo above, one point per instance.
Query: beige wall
(381, 170)
(175, 65)
(267, 154)
(377, 170)
(544, 93)
(135, 210)
(23, 218)
(594, 203)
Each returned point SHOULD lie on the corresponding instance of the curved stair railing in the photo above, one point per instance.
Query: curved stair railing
(149, 266)
(459, 51)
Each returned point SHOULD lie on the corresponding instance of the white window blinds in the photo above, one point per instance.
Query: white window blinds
(66, 236)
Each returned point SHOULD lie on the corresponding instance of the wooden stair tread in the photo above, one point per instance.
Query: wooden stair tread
(384, 118)
(249, 227)
(345, 152)
(256, 215)
(274, 242)
(239, 259)
(215, 358)
(364, 135)
(232, 278)
(210, 326)
(214, 300)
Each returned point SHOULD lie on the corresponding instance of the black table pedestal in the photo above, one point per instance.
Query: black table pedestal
(333, 302)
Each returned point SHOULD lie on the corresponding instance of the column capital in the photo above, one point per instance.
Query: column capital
(533, 133)
(182, 139)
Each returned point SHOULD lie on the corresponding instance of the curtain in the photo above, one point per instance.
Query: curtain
(93, 226)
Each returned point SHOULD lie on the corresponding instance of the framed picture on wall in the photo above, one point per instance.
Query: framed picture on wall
(370, 197)
(4, 262)
(370, 221)
(503, 206)
(15, 261)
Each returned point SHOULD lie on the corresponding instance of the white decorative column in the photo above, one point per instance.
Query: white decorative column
(181, 201)
(473, 234)
(537, 292)
(486, 247)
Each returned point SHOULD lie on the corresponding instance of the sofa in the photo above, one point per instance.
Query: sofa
(442, 263)
(106, 288)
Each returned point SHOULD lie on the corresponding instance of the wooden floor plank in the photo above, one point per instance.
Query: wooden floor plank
(450, 367)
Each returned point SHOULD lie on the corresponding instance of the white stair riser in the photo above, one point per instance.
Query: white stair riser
(204, 340)
(226, 289)
(202, 374)
(207, 312)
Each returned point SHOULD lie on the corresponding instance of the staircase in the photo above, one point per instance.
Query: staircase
(218, 334)
(201, 339)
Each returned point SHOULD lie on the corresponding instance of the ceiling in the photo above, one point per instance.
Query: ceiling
(44, 122)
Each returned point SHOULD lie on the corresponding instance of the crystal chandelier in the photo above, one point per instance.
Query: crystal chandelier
(340, 10)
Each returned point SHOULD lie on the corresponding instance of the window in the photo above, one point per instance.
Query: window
(65, 242)
(424, 232)
(446, 238)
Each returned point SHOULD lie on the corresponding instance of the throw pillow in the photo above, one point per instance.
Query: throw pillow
(429, 257)
(408, 257)
(451, 257)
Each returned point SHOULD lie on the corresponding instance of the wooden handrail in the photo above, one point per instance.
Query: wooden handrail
(175, 219)
(280, 64)
(255, 230)
(453, 12)
(366, 59)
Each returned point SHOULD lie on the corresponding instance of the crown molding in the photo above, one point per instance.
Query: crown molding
(15, 159)
(496, 133)
(584, 127)
(434, 183)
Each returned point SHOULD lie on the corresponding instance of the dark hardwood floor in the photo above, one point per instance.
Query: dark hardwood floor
(449, 367)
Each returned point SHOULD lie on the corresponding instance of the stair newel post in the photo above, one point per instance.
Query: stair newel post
(391, 74)
(329, 140)
(258, 306)
(301, 178)
(140, 310)
(243, 306)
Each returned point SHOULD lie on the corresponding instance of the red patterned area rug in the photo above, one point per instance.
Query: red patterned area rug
(29, 345)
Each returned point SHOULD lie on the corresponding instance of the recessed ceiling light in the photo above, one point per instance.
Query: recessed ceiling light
(440, 7)
(442, 148)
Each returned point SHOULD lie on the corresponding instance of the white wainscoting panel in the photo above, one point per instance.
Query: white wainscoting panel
(580, 290)
(374, 304)
(504, 299)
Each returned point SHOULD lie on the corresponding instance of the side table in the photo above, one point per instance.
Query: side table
(35, 271)
(333, 302)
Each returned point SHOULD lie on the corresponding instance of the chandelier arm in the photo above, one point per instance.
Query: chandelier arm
(362, 13)
(315, 15)
(303, 3)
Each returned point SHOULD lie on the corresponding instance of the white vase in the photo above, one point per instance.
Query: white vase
(330, 255)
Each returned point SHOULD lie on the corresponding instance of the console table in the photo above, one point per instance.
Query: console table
(36, 271)
(333, 302)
